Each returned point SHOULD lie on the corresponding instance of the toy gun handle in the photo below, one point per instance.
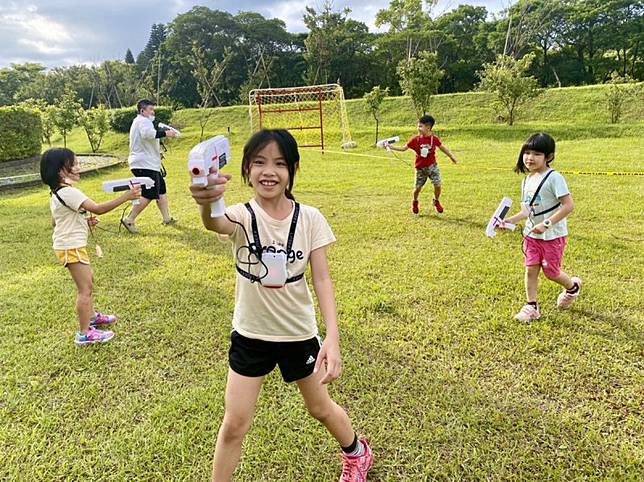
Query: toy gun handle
(136, 201)
(218, 209)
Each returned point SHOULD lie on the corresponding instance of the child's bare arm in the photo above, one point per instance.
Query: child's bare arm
(448, 153)
(515, 218)
(397, 148)
(567, 205)
(107, 206)
(323, 287)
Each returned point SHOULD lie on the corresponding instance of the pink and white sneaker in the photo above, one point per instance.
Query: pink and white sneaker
(527, 313)
(354, 469)
(102, 319)
(565, 299)
(93, 336)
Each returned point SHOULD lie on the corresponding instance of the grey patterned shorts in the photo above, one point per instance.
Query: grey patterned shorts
(429, 172)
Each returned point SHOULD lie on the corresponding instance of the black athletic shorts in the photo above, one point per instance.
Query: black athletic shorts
(256, 358)
(159, 183)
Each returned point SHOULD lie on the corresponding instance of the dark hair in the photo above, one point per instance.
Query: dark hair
(287, 146)
(427, 120)
(540, 142)
(142, 104)
(52, 162)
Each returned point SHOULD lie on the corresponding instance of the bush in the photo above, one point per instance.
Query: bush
(121, 119)
(21, 133)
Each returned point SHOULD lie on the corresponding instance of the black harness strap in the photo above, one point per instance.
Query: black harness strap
(536, 193)
(60, 199)
(256, 246)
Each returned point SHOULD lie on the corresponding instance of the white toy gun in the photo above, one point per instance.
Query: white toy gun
(384, 143)
(214, 152)
(497, 218)
(126, 184)
(169, 128)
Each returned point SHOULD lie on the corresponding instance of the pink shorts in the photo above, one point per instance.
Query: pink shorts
(548, 254)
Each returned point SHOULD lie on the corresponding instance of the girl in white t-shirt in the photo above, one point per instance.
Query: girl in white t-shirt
(546, 203)
(274, 239)
(59, 170)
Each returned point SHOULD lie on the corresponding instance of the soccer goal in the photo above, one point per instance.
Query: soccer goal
(316, 115)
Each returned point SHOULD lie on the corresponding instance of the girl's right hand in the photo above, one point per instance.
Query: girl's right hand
(205, 195)
(134, 192)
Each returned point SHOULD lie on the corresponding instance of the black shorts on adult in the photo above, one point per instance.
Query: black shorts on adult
(159, 183)
(256, 358)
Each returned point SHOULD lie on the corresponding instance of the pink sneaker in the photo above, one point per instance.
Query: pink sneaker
(93, 336)
(102, 319)
(527, 313)
(565, 299)
(354, 469)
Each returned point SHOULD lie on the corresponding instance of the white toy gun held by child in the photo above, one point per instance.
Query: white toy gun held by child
(497, 218)
(214, 152)
(126, 184)
(169, 128)
(384, 143)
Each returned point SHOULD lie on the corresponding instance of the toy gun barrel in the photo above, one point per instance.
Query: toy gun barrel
(170, 128)
(388, 140)
(118, 185)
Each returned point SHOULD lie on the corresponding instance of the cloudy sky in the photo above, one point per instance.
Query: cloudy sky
(65, 32)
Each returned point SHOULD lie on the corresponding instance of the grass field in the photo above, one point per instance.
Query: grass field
(437, 375)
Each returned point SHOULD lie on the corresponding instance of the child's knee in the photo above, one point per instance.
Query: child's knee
(552, 275)
(533, 269)
(235, 426)
(321, 410)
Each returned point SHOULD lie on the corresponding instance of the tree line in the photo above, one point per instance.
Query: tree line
(207, 57)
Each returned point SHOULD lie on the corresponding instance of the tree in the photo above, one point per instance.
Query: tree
(207, 77)
(129, 58)
(507, 79)
(620, 90)
(66, 114)
(419, 79)
(464, 48)
(158, 34)
(16, 78)
(372, 103)
(95, 123)
(338, 49)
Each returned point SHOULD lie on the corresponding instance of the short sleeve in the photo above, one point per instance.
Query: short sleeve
(239, 213)
(72, 197)
(321, 233)
(437, 141)
(559, 186)
(412, 143)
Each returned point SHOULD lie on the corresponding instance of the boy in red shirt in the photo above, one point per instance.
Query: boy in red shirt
(424, 145)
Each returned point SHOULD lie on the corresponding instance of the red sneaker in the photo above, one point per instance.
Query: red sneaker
(438, 206)
(414, 207)
(354, 469)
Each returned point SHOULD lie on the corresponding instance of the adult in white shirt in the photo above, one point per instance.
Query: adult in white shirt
(145, 161)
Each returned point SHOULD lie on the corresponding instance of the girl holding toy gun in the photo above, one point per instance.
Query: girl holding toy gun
(276, 325)
(59, 170)
(546, 202)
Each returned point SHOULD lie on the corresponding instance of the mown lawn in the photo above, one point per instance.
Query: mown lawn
(437, 374)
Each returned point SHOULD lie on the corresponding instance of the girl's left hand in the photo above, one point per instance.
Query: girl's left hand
(92, 221)
(539, 229)
(329, 352)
